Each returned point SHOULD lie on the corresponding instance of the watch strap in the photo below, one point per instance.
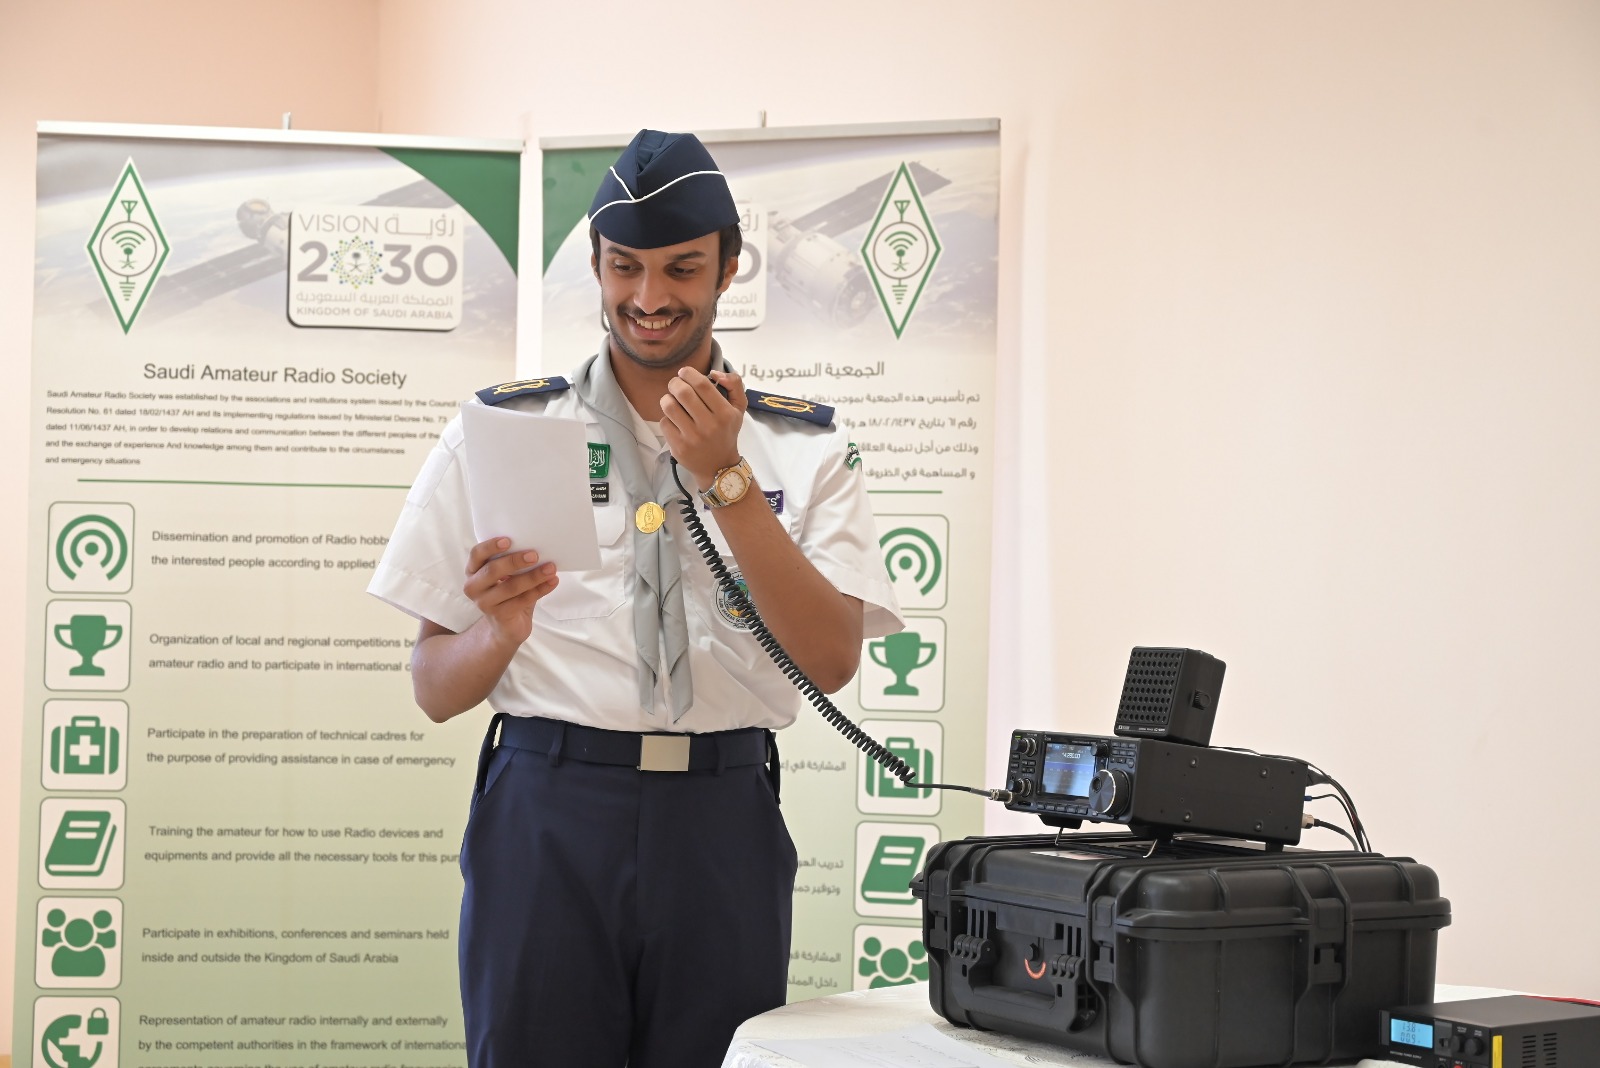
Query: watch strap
(715, 499)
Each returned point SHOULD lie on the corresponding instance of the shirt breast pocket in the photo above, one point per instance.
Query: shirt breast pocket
(594, 594)
(792, 521)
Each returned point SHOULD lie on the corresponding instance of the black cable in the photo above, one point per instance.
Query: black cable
(1340, 830)
(1321, 778)
(1336, 798)
(1349, 803)
(813, 693)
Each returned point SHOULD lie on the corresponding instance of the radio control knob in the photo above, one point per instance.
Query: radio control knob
(1108, 792)
(1475, 1046)
(1024, 744)
(1021, 787)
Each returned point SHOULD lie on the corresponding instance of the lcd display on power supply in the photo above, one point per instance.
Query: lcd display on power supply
(1407, 1033)
(1067, 769)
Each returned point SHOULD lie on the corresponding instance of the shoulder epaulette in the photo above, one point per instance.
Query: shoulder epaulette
(810, 411)
(522, 387)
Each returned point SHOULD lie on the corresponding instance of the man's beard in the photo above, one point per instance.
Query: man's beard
(673, 358)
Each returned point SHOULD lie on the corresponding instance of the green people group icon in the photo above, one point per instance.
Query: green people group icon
(79, 942)
(889, 956)
(90, 547)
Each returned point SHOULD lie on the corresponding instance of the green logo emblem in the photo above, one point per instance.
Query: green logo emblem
(900, 249)
(733, 613)
(852, 456)
(599, 460)
(356, 262)
(128, 248)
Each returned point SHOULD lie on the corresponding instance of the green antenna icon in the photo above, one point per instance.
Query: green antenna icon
(92, 539)
(128, 241)
(914, 554)
(900, 242)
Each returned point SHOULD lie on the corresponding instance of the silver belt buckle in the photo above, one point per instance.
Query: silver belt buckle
(664, 752)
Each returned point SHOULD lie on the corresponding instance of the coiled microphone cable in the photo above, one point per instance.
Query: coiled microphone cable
(840, 722)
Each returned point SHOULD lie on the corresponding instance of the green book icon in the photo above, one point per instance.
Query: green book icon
(81, 844)
(893, 866)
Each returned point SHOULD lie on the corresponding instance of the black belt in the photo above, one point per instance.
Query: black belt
(646, 752)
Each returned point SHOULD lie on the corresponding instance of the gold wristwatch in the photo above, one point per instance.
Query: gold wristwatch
(728, 485)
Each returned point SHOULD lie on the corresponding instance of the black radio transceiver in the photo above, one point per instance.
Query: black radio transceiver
(1494, 1033)
(1156, 786)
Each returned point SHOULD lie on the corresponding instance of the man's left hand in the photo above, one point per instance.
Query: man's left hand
(700, 424)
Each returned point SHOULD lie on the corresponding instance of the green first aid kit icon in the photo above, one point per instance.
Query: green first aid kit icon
(85, 746)
(882, 783)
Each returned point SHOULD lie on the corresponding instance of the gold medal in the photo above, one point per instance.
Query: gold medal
(649, 517)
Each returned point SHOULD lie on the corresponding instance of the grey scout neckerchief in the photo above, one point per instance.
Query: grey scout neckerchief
(655, 556)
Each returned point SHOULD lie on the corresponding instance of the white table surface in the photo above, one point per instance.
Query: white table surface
(871, 1012)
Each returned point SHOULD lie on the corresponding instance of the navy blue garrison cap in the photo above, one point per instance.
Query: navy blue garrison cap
(664, 189)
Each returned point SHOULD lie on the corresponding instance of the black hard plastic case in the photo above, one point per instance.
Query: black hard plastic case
(1208, 954)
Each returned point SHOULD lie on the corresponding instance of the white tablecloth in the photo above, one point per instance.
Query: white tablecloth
(870, 1012)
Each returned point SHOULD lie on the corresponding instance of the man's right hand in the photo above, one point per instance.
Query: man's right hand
(505, 598)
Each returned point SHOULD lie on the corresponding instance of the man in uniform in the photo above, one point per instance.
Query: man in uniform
(628, 873)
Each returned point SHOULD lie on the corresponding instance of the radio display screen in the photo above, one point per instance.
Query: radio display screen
(1067, 769)
(1406, 1033)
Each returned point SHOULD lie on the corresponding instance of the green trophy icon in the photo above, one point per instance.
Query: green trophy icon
(902, 654)
(86, 636)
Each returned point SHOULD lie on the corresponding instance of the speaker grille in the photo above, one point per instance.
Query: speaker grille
(1169, 693)
(1148, 689)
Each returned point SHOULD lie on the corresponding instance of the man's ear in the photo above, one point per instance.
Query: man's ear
(730, 267)
(594, 264)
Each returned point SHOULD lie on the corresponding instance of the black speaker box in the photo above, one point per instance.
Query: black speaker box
(1171, 694)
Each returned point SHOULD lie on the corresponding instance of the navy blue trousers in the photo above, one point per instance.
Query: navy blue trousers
(616, 917)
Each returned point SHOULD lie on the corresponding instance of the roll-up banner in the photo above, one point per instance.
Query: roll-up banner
(239, 838)
(867, 282)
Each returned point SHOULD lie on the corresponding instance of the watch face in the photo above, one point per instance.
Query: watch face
(731, 485)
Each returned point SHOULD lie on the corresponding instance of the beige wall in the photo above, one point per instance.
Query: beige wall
(162, 61)
(1299, 366)
(1298, 363)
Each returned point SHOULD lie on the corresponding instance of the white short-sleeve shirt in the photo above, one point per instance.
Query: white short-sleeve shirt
(580, 663)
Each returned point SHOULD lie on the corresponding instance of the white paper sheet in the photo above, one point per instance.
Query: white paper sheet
(528, 480)
(922, 1046)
